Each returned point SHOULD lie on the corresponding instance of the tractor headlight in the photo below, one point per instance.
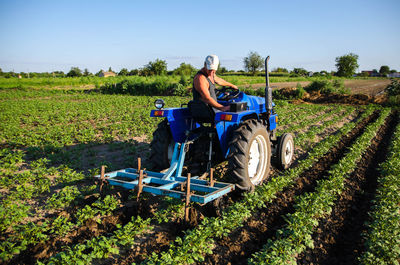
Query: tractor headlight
(159, 103)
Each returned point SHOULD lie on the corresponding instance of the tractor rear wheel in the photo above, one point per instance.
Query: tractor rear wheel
(249, 158)
(162, 147)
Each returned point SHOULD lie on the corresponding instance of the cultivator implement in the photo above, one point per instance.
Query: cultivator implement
(169, 183)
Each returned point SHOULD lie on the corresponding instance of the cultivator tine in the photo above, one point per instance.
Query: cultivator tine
(183, 185)
(212, 177)
(102, 171)
(140, 184)
(187, 201)
(102, 177)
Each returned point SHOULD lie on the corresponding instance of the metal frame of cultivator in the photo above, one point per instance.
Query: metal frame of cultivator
(169, 183)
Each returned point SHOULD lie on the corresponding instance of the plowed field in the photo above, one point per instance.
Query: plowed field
(54, 212)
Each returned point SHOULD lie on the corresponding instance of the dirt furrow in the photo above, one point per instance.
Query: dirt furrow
(238, 246)
(338, 239)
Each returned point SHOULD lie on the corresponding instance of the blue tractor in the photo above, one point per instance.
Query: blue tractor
(245, 137)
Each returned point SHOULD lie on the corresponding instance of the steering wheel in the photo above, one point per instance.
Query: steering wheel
(224, 95)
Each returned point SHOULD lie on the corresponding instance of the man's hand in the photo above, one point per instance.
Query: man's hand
(234, 87)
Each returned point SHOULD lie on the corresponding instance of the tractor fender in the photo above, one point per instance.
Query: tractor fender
(225, 128)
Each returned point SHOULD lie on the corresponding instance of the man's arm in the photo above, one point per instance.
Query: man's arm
(201, 85)
(222, 82)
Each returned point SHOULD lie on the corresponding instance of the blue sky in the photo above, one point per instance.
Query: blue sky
(56, 35)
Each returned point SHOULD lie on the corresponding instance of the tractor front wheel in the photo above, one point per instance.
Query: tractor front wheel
(285, 152)
(249, 158)
(162, 147)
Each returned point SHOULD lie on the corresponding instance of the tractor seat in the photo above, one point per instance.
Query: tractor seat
(201, 112)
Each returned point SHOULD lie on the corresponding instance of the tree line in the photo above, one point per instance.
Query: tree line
(346, 67)
(253, 64)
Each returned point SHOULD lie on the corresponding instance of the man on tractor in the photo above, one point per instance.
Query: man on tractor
(204, 84)
(243, 133)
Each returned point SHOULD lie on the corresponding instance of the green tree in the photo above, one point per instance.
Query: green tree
(253, 62)
(184, 69)
(300, 71)
(74, 72)
(123, 72)
(134, 72)
(384, 70)
(158, 67)
(86, 72)
(59, 73)
(280, 70)
(347, 64)
(325, 73)
(109, 69)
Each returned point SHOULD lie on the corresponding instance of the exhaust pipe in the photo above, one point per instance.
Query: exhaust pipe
(268, 90)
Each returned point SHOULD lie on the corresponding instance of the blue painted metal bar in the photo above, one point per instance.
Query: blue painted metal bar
(174, 162)
(167, 183)
(171, 186)
(181, 160)
(167, 187)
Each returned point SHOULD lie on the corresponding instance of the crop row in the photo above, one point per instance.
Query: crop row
(23, 185)
(289, 111)
(307, 137)
(199, 241)
(311, 117)
(305, 120)
(33, 233)
(19, 186)
(300, 118)
(383, 237)
(296, 236)
(289, 114)
(123, 237)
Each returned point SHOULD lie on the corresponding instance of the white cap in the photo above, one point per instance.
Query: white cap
(212, 62)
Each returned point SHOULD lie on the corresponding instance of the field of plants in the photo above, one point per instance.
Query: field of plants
(339, 203)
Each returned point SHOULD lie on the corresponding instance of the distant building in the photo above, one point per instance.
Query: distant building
(394, 74)
(107, 74)
(370, 73)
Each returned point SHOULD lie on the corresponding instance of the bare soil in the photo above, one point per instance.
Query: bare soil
(366, 87)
